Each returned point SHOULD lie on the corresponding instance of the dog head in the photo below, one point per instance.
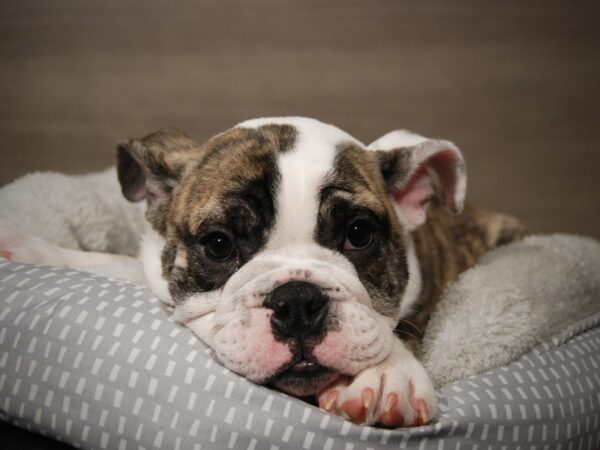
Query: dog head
(285, 243)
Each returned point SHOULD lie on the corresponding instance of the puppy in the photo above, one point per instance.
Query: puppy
(306, 260)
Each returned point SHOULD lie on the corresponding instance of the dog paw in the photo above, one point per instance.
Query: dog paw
(392, 394)
(21, 247)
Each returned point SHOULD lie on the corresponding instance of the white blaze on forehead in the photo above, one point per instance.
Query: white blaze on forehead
(303, 169)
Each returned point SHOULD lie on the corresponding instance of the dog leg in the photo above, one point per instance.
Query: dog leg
(396, 392)
(21, 247)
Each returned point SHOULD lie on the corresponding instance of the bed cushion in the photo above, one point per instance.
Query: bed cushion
(98, 363)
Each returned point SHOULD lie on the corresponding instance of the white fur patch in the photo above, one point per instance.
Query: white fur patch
(150, 252)
(181, 259)
(413, 287)
(303, 170)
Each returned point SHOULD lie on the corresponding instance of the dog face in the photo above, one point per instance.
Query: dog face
(285, 243)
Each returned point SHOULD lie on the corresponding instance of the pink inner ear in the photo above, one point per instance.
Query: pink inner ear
(413, 199)
(154, 192)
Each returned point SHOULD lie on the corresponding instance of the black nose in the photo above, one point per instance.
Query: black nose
(299, 309)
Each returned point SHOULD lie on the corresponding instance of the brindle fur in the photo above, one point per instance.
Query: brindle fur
(232, 179)
(448, 244)
(355, 189)
(150, 167)
(228, 180)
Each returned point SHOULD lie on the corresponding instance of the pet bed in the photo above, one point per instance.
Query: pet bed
(98, 363)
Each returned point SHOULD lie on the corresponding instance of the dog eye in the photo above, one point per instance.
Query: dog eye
(359, 235)
(218, 246)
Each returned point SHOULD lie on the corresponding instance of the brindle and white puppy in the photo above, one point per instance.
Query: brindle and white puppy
(306, 260)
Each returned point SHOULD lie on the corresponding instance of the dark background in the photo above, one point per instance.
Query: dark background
(514, 83)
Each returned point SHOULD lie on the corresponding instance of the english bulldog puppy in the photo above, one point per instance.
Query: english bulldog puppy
(308, 261)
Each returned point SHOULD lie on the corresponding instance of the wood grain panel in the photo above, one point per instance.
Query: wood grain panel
(515, 84)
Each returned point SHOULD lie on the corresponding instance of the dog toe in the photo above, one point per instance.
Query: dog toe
(390, 415)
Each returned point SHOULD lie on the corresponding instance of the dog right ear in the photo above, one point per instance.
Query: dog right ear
(149, 168)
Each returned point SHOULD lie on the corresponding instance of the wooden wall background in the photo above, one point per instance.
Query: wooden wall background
(516, 84)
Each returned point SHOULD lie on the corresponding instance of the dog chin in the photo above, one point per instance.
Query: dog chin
(304, 379)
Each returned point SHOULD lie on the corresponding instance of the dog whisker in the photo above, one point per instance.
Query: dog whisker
(408, 328)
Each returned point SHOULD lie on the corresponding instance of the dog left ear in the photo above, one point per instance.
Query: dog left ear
(410, 163)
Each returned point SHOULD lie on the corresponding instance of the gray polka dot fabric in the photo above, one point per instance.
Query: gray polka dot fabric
(99, 364)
